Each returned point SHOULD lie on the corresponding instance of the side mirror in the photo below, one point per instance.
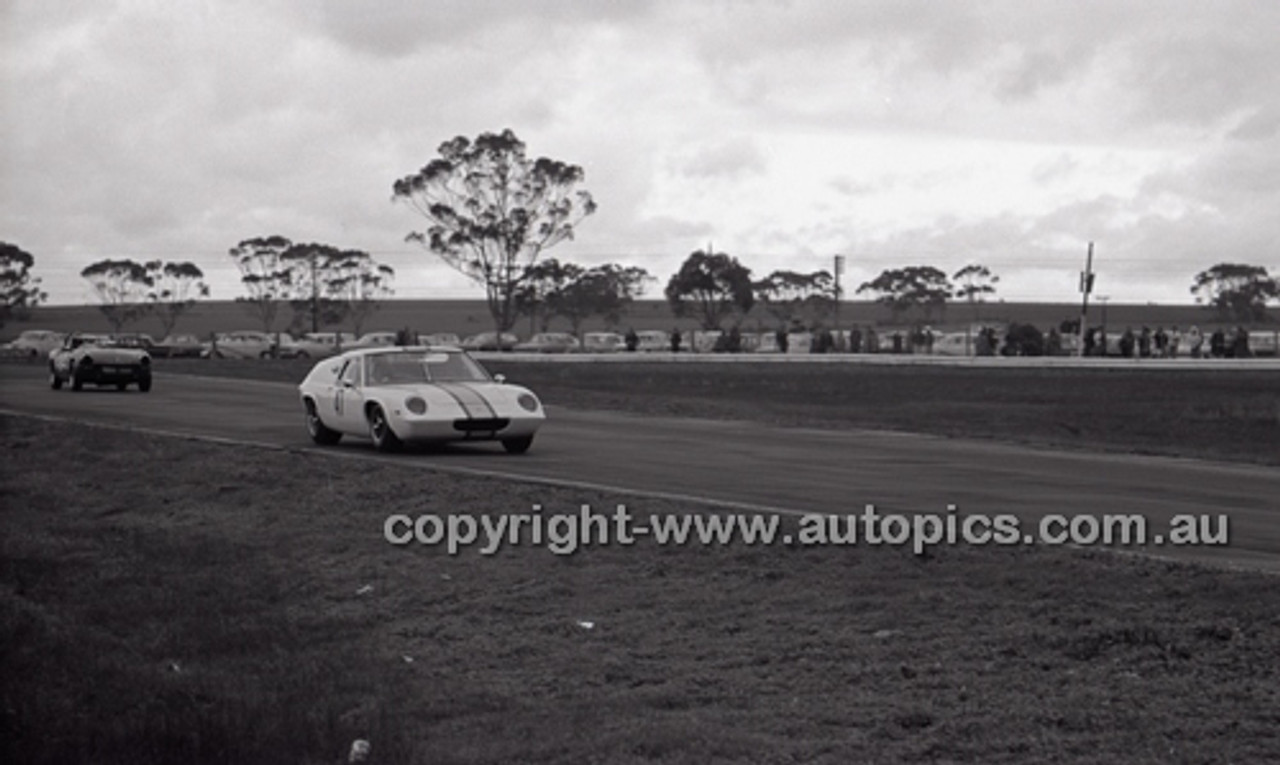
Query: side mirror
(499, 378)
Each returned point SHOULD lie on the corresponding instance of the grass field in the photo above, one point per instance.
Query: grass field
(1223, 414)
(166, 600)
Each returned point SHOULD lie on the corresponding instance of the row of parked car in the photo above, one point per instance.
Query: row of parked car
(36, 344)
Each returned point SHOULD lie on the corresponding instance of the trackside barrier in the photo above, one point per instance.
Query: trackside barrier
(882, 359)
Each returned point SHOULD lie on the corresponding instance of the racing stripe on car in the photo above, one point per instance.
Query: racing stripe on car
(492, 412)
(461, 404)
(467, 399)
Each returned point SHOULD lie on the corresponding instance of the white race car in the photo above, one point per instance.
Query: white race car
(416, 394)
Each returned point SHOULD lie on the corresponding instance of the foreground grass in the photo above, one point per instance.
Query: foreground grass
(165, 600)
(1205, 413)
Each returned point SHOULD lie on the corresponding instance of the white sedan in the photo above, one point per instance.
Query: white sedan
(416, 394)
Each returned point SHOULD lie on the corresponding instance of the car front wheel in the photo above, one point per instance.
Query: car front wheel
(55, 381)
(384, 439)
(76, 382)
(144, 384)
(318, 431)
(517, 445)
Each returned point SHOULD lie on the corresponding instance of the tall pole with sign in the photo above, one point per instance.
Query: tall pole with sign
(1086, 286)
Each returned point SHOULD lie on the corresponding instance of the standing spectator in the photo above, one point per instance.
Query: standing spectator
(982, 345)
(822, 342)
(1240, 344)
(1126, 343)
(783, 341)
(1175, 339)
(733, 341)
(1054, 343)
(1091, 341)
(873, 340)
(1162, 343)
(1144, 343)
(632, 340)
(855, 340)
(1195, 340)
(1218, 344)
(675, 340)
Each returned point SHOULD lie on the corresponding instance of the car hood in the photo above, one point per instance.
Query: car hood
(477, 398)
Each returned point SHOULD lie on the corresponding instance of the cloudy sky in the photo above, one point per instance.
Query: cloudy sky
(897, 133)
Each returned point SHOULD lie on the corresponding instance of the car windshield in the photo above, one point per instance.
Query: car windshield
(78, 340)
(408, 367)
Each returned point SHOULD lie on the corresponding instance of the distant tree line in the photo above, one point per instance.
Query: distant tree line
(492, 212)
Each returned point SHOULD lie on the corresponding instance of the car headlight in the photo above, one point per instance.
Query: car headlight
(527, 402)
(416, 404)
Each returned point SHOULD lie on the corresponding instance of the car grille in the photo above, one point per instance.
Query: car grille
(481, 424)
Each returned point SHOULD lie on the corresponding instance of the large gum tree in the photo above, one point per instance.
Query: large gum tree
(491, 212)
(19, 290)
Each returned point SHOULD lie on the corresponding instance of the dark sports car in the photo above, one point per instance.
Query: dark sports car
(95, 360)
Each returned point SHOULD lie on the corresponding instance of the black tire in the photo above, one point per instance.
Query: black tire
(55, 381)
(76, 382)
(517, 445)
(384, 439)
(319, 432)
(144, 385)
(122, 386)
(264, 355)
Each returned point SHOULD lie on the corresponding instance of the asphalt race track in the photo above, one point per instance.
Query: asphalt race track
(790, 469)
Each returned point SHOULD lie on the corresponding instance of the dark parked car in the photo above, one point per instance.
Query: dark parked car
(179, 346)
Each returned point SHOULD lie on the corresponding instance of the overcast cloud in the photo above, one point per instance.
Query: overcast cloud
(896, 133)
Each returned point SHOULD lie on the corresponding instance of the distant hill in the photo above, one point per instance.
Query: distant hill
(465, 317)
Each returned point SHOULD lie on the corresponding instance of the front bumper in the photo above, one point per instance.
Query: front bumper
(464, 429)
(112, 374)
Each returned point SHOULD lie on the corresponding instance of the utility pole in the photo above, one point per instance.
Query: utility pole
(1086, 286)
(839, 269)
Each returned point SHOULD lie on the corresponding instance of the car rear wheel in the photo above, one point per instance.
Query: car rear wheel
(121, 386)
(517, 445)
(76, 382)
(384, 439)
(318, 431)
(144, 384)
